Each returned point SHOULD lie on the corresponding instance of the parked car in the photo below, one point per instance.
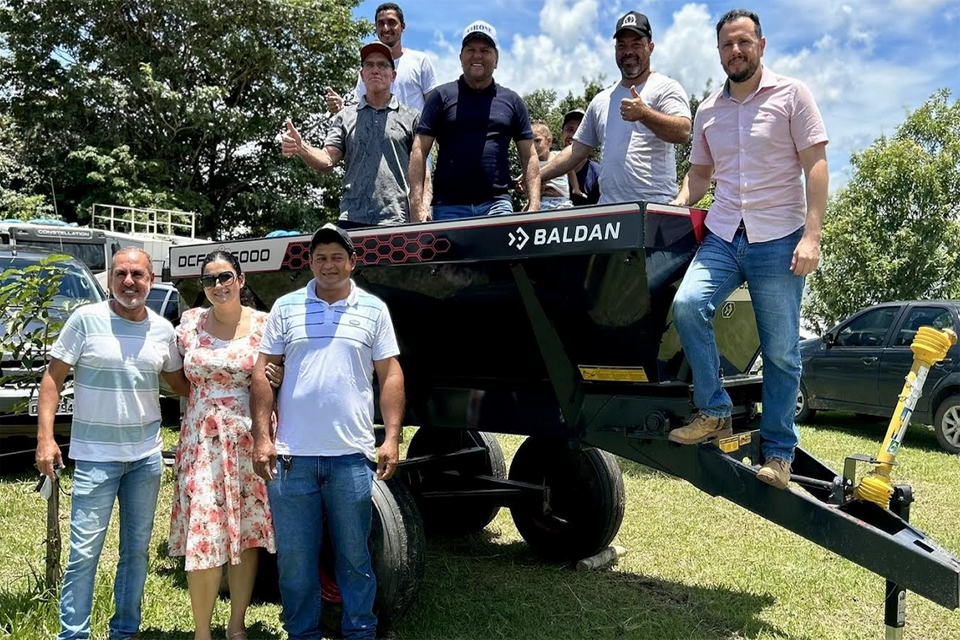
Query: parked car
(164, 299)
(78, 287)
(860, 365)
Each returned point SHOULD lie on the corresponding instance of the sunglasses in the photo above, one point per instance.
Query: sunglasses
(210, 280)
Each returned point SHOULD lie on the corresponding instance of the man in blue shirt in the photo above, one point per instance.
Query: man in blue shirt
(473, 120)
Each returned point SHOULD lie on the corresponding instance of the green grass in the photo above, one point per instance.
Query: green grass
(697, 567)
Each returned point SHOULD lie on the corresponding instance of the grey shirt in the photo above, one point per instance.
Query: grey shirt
(376, 146)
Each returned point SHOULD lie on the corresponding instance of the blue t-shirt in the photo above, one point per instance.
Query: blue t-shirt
(589, 179)
(473, 130)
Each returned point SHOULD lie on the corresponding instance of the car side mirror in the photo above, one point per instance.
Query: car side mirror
(828, 339)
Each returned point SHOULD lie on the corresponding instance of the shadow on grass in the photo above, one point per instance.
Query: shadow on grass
(256, 631)
(478, 587)
(919, 436)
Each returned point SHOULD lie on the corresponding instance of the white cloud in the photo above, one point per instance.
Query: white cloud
(687, 50)
(569, 21)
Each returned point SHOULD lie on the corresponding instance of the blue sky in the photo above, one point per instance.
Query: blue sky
(867, 62)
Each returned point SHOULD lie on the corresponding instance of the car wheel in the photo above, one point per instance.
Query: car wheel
(947, 424)
(803, 412)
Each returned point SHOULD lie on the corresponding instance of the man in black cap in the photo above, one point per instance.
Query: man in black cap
(473, 120)
(638, 161)
(374, 139)
(584, 179)
(333, 338)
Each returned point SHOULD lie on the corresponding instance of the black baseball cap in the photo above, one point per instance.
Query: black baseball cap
(332, 233)
(570, 115)
(636, 22)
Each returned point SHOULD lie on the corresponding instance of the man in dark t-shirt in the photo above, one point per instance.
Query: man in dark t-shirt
(473, 121)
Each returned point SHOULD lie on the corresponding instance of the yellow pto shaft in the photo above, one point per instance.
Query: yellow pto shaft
(929, 347)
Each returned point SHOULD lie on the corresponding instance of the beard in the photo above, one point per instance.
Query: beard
(632, 66)
(744, 74)
(130, 303)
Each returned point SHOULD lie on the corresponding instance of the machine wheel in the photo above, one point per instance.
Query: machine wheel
(946, 424)
(586, 498)
(803, 412)
(454, 516)
(397, 548)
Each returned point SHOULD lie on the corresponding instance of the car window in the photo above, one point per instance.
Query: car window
(936, 317)
(172, 312)
(77, 286)
(155, 299)
(867, 330)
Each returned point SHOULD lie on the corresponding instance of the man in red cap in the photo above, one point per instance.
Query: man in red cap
(373, 139)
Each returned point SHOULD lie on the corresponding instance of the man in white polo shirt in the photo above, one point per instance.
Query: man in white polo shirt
(118, 350)
(332, 337)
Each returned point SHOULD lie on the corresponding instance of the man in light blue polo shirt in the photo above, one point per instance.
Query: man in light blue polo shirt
(118, 349)
(332, 337)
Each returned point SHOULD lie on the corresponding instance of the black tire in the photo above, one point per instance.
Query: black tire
(397, 548)
(587, 498)
(803, 412)
(946, 424)
(454, 516)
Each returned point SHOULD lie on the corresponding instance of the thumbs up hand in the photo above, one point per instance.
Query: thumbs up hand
(633, 109)
(334, 101)
(291, 144)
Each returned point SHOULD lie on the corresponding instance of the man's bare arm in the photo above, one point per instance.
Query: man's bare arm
(392, 401)
(567, 160)
(261, 409)
(177, 381)
(695, 185)
(530, 164)
(48, 452)
(416, 175)
(320, 159)
(806, 257)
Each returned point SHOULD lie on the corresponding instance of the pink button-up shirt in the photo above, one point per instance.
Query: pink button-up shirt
(753, 146)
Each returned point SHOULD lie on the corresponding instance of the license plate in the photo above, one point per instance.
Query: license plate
(65, 408)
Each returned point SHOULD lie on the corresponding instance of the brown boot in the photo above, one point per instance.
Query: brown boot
(775, 472)
(703, 427)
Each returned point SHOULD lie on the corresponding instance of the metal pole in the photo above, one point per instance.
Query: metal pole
(54, 191)
(895, 596)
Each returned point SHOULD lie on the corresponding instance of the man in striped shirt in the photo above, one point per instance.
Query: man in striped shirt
(118, 350)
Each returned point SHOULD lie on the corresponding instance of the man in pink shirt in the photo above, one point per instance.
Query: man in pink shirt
(754, 137)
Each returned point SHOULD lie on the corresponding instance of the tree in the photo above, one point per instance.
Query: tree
(18, 182)
(177, 104)
(893, 231)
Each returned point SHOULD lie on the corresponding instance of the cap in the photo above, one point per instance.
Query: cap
(332, 233)
(636, 22)
(482, 30)
(377, 47)
(570, 115)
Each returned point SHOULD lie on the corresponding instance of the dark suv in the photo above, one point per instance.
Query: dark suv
(78, 287)
(860, 365)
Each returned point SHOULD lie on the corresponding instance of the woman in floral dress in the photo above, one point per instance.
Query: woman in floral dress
(220, 511)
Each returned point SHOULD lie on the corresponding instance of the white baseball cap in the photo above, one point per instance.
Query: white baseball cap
(482, 30)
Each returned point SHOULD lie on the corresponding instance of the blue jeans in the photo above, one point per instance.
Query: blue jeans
(460, 211)
(96, 485)
(340, 488)
(716, 271)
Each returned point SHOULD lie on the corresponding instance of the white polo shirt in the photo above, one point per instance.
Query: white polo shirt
(326, 399)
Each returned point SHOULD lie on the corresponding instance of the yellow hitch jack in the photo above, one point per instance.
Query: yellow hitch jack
(929, 347)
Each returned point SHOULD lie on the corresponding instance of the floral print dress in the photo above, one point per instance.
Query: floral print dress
(220, 504)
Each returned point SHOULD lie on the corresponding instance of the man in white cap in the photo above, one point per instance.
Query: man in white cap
(473, 120)
(373, 138)
(638, 161)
